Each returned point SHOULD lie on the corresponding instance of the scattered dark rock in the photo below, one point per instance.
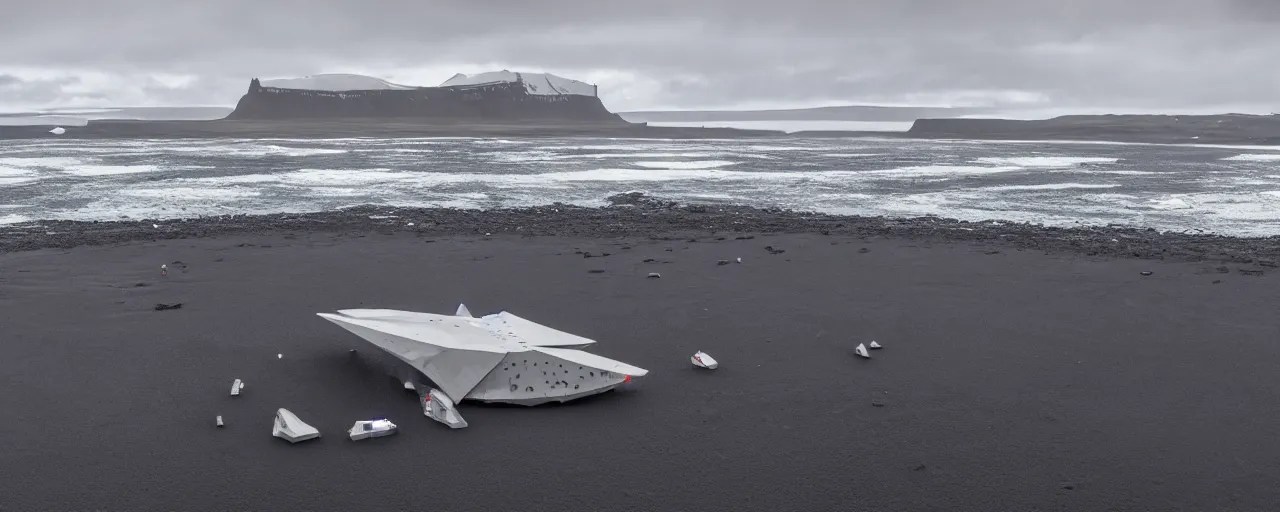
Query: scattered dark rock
(1223, 270)
(1145, 272)
(988, 253)
(864, 250)
(773, 250)
(1217, 281)
(586, 255)
(1246, 272)
(747, 237)
(141, 285)
(1267, 263)
(1069, 486)
(162, 306)
(640, 199)
(722, 262)
(595, 271)
(920, 467)
(649, 260)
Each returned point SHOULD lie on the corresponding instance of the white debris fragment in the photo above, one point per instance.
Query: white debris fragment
(279, 356)
(288, 427)
(58, 130)
(479, 358)
(463, 311)
(874, 345)
(862, 351)
(410, 224)
(409, 386)
(374, 428)
(236, 387)
(219, 420)
(156, 226)
(654, 275)
(437, 406)
(702, 360)
(739, 260)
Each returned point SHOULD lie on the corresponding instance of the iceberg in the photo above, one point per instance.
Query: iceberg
(236, 387)
(290, 428)
(58, 130)
(494, 358)
(874, 345)
(373, 428)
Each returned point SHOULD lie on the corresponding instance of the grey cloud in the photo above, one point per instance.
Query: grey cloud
(1132, 53)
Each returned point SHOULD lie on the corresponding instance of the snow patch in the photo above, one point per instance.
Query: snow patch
(108, 170)
(534, 83)
(1047, 161)
(12, 219)
(1254, 158)
(701, 164)
(1050, 186)
(335, 82)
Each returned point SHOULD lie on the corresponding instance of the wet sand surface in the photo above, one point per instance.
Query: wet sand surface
(1011, 378)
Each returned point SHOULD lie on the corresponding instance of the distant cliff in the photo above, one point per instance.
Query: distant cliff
(496, 102)
(1160, 129)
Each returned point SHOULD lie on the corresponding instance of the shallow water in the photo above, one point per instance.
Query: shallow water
(1223, 189)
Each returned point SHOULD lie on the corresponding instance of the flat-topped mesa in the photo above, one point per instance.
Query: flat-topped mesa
(1165, 129)
(489, 98)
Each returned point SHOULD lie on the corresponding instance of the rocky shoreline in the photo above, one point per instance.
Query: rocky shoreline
(637, 216)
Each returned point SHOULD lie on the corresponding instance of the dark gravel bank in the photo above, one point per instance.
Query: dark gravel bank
(636, 215)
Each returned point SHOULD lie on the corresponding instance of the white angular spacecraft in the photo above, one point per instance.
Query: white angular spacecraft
(495, 358)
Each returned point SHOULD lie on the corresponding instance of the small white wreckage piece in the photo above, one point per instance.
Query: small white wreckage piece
(654, 275)
(739, 260)
(702, 360)
(219, 421)
(408, 386)
(58, 130)
(494, 358)
(437, 406)
(862, 351)
(279, 356)
(292, 429)
(374, 428)
(236, 387)
(874, 345)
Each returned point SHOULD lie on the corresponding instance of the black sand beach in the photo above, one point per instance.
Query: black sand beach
(1023, 369)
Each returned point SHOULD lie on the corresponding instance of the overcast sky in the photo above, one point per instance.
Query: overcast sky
(1121, 55)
